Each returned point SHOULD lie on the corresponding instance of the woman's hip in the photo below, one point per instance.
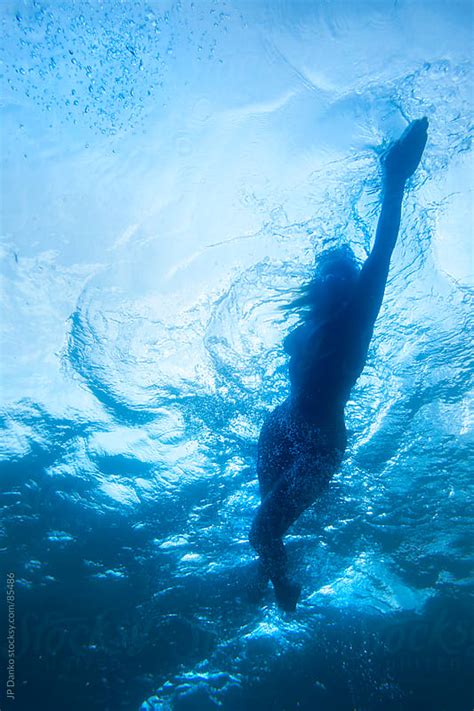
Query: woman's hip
(289, 435)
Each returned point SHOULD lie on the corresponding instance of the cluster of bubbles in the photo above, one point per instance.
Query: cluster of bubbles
(100, 63)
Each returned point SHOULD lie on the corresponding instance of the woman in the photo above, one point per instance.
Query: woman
(303, 440)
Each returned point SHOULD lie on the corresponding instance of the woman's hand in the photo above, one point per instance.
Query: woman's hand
(403, 157)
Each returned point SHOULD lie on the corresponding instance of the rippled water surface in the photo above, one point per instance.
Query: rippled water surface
(169, 171)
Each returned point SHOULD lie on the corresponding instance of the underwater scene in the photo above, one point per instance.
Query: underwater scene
(173, 174)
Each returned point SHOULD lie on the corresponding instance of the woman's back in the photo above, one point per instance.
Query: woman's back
(326, 358)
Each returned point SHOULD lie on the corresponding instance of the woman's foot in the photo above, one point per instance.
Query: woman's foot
(287, 593)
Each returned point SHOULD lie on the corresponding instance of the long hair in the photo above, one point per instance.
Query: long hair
(306, 299)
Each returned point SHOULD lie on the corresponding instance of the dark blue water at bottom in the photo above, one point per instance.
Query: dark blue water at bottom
(71, 651)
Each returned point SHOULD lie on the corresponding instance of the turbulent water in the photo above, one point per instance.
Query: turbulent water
(170, 170)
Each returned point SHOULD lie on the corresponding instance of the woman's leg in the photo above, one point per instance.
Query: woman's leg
(274, 456)
(293, 493)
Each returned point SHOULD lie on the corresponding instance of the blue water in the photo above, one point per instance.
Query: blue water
(169, 170)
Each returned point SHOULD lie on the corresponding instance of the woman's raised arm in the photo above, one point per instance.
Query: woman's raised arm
(400, 162)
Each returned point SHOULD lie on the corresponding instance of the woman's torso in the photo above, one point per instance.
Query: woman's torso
(326, 358)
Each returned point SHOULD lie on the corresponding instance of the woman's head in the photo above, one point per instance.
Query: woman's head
(332, 284)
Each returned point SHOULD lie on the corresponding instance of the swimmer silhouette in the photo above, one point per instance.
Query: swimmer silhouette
(302, 441)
